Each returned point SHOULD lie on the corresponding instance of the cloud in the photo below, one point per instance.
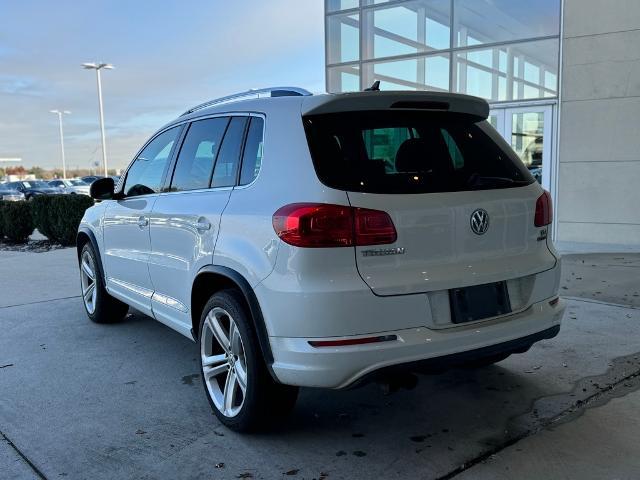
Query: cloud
(167, 58)
(18, 85)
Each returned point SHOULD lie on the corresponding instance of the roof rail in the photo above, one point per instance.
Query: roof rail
(252, 93)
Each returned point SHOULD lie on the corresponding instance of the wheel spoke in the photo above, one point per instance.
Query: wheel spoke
(241, 376)
(87, 269)
(88, 293)
(214, 365)
(230, 391)
(234, 338)
(218, 331)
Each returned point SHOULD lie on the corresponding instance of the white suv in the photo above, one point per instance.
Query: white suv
(319, 240)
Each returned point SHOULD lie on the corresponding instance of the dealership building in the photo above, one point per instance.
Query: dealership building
(562, 79)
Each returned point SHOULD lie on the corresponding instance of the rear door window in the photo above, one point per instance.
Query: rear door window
(226, 169)
(198, 154)
(411, 152)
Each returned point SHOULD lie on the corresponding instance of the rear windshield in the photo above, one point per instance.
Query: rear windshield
(411, 152)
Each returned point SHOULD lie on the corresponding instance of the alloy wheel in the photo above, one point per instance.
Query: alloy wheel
(224, 363)
(88, 281)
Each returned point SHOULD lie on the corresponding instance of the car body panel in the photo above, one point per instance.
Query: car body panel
(440, 250)
(183, 228)
(127, 247)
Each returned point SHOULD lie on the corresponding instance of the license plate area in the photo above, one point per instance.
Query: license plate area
(479, 302)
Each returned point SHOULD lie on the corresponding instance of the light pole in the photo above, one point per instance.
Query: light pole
(60, 113)
(97, 67)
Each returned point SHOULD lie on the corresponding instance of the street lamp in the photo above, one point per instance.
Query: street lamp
(97, 67)
(60, 113)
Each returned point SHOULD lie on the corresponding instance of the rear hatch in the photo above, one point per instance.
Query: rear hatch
(462, 202)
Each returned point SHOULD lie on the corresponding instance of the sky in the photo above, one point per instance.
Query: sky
(169, 55)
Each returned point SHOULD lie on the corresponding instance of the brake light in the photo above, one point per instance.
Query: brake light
(544, 210)
(315, 225)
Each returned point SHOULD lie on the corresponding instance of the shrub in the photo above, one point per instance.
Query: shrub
(41, 211)
(16, 220)
(58, 216)
(1, 221)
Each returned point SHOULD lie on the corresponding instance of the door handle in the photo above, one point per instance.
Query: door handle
(143, 222)
(202, 226)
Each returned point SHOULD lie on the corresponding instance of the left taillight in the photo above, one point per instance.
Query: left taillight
(544, 210)
(321, 225)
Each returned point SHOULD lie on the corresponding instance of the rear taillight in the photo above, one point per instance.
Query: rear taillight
(544, 210)
(322, 225)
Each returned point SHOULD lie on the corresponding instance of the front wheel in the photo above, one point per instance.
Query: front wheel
(99, 305)
(241, 392)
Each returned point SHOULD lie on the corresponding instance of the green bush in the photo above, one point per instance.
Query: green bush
(1, 221)
(57, 217)
(41, 211)
(16, 220)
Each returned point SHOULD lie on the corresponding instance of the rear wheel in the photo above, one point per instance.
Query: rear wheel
(99, 305)
(241, 392)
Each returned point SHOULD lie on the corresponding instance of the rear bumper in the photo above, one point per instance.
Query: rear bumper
(296, 362)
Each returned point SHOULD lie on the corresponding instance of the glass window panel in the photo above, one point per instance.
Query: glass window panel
(527, 140)
(509, 72)
(489, 21)
(336, 5)
(198, 153)
(225, 171)
(252, 156)
(145, 174)
(531, 73)
(437, 72)
(344, 79)
(411, 27)
(343, 38)
(550, 80)
(430, 72)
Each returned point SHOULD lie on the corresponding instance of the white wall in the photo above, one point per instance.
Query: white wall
(599, 170)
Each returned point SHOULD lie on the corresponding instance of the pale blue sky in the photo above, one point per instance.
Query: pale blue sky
(169, 55)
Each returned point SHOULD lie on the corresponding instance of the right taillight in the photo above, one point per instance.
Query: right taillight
(321, 225)
(544, 210)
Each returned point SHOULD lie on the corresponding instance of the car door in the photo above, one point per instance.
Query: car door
(185, 220)
(126, 223)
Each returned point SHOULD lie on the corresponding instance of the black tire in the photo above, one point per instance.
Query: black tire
(107, 309)
(264, 400)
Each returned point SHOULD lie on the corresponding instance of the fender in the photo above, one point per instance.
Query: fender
(254, 307)
(94, 243)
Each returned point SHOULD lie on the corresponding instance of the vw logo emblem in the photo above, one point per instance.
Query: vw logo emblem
(479, 221)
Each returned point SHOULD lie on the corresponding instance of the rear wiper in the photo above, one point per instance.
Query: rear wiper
(477, 181)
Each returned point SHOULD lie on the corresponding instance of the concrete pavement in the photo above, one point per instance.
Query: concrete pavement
(80, 400)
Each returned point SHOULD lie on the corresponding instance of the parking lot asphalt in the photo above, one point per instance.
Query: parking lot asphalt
(86, 401)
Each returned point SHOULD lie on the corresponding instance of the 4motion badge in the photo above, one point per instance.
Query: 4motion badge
(381, 252)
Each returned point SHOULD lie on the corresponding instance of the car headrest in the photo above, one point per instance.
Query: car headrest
(424, 154)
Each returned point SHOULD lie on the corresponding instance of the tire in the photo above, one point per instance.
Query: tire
(98, 304)
(240, 389)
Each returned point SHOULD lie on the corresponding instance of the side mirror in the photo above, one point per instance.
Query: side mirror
(102, 189)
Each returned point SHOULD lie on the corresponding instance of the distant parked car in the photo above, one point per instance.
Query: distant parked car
(9, 194)
(71, 186)
(32, 188)
(89, 179)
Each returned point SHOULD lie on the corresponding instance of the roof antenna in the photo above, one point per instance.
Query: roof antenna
(374, 88)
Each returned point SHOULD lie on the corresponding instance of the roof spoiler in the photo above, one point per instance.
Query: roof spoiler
(389, 100)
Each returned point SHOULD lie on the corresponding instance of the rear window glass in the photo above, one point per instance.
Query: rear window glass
(411, 152)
